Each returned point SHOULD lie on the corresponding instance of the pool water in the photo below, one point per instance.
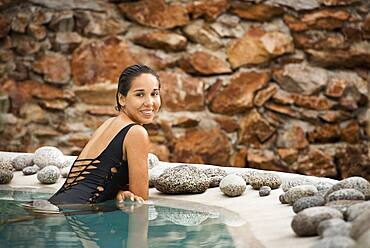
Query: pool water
(106, 225)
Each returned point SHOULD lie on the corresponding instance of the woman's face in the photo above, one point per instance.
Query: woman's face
(142, 101)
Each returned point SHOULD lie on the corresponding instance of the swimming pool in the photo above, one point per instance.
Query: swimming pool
(105, 225)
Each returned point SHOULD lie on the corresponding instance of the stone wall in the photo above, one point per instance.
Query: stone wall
(275, 84)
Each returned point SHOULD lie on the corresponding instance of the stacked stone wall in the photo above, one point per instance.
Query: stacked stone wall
(281, 85)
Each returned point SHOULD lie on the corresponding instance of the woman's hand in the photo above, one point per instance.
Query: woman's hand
(123, 195)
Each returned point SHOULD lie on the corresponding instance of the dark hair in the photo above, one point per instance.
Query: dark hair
(126, 78)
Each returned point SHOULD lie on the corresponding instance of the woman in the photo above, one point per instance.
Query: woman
(113, 164)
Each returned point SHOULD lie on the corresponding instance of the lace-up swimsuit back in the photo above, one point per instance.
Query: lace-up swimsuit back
(98, 179)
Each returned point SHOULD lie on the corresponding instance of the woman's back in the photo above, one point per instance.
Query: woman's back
(100, 171)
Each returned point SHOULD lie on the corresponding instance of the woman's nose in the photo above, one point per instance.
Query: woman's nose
(149, 101)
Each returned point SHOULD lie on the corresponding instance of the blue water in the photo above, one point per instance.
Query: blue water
(131, 225)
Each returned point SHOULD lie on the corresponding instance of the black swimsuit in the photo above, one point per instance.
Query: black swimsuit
(96, 180)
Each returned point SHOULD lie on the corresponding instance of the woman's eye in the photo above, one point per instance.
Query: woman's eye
(140, 94)
(156, 93)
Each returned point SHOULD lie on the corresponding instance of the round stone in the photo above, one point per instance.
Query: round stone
(152, 160)
(324, 225)
(65, 171)
(364, 240)
(182, 179)
(359, 183)
(305, 223)
(323, 185)
(246, 175)
(360, 225)
(308, 202)
(356, 209)
(346, 194)
(335, 242)
(215, 175)
(5, 163)
(264, 191)
(30, 170)
(265, 179)
(233, 185)
(68, 161)
(287, 184)
(5, 176)
(155, 173)
(48, 175)
(342, 230)
(282, 199)
(297, 192)
(48, 156)
(21, 161)
(342, 205)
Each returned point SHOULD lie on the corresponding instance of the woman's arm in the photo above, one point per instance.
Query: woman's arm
(136, 145)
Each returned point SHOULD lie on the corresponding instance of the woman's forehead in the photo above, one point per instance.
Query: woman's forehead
(145, 81)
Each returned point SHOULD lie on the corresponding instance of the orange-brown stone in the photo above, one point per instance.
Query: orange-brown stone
(354, 160)
(316, 163)
(38, 90)
(238, 96)
(292, 137)
(227, 123)
(277, 43)
(209, 9)
(248, 50)
(200, 32)
(350, 132)
(324, 133)
(357, 55)
(334, 116)
(100, 61)
(264, 95)
(264, 159)
(288, 155)
(37, 31)
(78, 139)
(183, 93)
(185, 122)
(57, 104)
(327, 19)
(335, 88)
(320, 40)
(254, 129)
(167, 41)
(312, 102)
(155, 13)
(161, 151)
(4, 26)
(239, 157)
(98, 94)
(204, 63)
(256, 11)
(282, 109)
(213, 147)
(283, 97)
(101, 110)
(258, 47)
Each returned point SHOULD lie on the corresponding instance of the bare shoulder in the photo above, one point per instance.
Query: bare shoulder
(137, 133)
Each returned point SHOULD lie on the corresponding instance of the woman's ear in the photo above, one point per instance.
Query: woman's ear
(121, 99)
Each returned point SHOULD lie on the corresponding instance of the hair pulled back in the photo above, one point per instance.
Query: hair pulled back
(126, 78)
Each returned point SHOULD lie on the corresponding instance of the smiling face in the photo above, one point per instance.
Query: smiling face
(142, 101)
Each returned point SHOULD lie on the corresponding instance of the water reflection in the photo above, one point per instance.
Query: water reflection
(111, 225)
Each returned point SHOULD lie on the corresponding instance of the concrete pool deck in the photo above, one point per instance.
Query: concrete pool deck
(267, 221)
